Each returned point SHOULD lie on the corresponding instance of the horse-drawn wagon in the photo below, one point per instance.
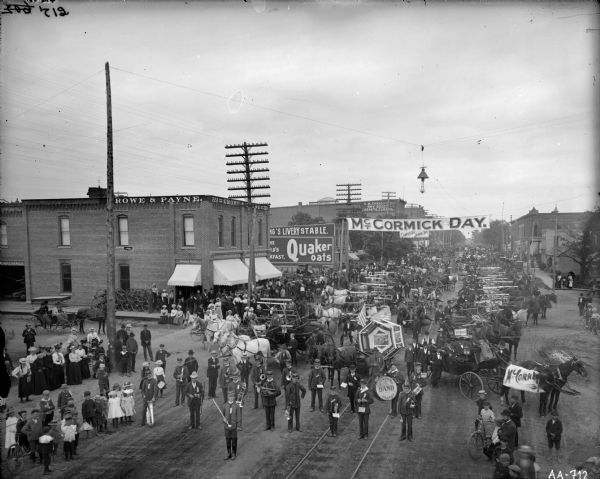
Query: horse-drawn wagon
(44, 317)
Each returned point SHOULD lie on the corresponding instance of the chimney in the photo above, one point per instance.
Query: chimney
(96, 192)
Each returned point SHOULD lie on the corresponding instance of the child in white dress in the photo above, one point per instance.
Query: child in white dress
(114, 408)
(487, 418)
(128, 402)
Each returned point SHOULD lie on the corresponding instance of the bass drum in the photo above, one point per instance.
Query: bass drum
(385, 388)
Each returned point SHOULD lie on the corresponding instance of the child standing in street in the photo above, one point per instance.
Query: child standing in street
(114, 408)
(69, 430)
(128, 402)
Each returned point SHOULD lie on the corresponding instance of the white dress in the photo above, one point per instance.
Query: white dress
(114, 407)
(128, 402)
(11, 432)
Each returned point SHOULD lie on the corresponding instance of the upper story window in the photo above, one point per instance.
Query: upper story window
(233, 234)
(123, 231)
(188, 230)
(220, 229)
(65, 277)
(260, 232)
(3, 235)
(65, 231)
(124, 279)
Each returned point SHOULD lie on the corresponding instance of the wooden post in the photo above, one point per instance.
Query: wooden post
(111, 320)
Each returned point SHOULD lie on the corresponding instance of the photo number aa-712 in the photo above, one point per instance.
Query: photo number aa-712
(573, 474)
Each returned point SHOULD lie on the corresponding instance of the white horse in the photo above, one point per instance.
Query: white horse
(326, 315)
(237, 345)
(339, 296)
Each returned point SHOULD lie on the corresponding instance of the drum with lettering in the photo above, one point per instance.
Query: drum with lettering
(386, 388)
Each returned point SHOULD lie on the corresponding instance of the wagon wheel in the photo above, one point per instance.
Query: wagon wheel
(475, 445)
(469, 383)
(494, 383)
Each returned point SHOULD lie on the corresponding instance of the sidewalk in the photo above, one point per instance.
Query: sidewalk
(545, 277)
(24, 308)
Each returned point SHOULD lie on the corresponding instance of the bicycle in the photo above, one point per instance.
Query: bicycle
(478, 440)
(15, 458)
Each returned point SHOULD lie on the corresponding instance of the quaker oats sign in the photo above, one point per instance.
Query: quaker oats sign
(302, 244)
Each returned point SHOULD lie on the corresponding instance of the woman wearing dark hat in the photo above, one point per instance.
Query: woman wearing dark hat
(37, 371)
(84, 363)
(73, 369)
(23, 373)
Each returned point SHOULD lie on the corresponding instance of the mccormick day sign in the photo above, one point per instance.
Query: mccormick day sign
(522, 379)
(460, 223)
(302, 244)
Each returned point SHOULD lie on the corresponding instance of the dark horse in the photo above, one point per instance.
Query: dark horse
(546, 301)
(552, 379)
(499, 331)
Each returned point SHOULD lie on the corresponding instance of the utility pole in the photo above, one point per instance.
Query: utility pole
(348, 192)
(111, 320)
(246, 163)
(386, 195)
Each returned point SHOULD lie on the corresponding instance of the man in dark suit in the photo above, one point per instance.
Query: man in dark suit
(269, 390)
(162, 354)
(149, 393)
(294, 391)
(146, 340)
(212, 373)
(232, 417)
(508, 431)
(191, 363)
(353, 382)
(410, 356)
(181, 375)
(245, 368)
(516, 413)
(195, 393)
(258, 375)
(363, 400)
(554, 431)
(406, 406)
(437, 364)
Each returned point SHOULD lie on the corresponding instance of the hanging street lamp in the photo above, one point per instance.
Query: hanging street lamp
(422, 176)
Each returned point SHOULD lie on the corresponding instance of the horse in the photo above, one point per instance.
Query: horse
(234, 345)
(546, 301)
(552, 379)
(499, 331)
(326, 315)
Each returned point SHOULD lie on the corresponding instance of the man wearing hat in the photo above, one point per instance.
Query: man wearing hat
(286, 374)
(195, 394)
(149, 394)
(417, 384)
(212, 373)
(181, 376)
(33, 430)
(482, 397)
(554, 429)
(122, 334)
(245, 367)
(316, 382)
(508, 431)
(333, 406)
(353, 383)
(269, 390)
(191, 363)
(232, 418)
(162, 354)
(258, 375)
(363, 400)
(294, 391)
(516, 413)
(395, 374)
(406, 406)
(28, 337)
(225, 377)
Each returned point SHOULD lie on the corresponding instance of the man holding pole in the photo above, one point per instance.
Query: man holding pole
(232, 416)
(195, 394)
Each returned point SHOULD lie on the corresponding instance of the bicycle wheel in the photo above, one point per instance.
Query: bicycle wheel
(475, 445)
(15, 461)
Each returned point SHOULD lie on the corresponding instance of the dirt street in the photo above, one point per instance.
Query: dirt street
(439, 451)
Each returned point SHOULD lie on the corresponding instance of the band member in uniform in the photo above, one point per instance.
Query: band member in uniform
(181, 375)
(294, 391)
(245, 368)
(269, 391)
(212, 373)
(363, 399)
(333, 406)
(258, 376)
(353, 381)
(410, 357)
(417, 384)
(286, 374)
(316, 382)
(239, 390)
(399, 380)
(406, 406)
(228, 371)
(232, 418)
(437, 363)
(195, 393)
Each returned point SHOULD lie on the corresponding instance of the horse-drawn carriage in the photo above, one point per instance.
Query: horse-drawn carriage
(55, 318)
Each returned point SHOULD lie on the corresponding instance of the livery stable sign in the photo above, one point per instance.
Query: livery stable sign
(460, 223)
(302, 244)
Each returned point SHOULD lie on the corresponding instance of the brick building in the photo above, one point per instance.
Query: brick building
(533, 238)
(195, 241)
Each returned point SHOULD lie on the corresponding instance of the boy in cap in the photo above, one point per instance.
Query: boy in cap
(245, 368)
(294, 391)
(181, 376)
(406, 407)
(103, 383)
(63, 399)
(333, 405)
(316, 381)
(161, 355)
(195, 394)
(69, 430)
(88, 410)
(554, 429)
(232, 415)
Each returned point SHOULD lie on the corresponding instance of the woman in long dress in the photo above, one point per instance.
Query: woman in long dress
(58, 367)
(114, 408)
(23, 373)
(11, 428)
(38, 373)
(73, 370)
(84, 364)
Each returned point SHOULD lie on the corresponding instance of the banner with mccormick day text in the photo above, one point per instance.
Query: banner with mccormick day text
(460, 223)
(522, 379)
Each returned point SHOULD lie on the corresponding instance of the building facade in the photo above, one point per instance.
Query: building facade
(535, 236)
(59, 246)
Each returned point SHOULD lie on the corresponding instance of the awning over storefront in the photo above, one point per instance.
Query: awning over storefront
(353, 257)
(186, 275)
(264, 269)
(229, 272)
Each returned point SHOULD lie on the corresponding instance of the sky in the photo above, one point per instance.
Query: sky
(503, 97)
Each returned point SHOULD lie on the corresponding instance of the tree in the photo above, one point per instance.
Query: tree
(302, 218)
(584, 247)
(493, 236)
